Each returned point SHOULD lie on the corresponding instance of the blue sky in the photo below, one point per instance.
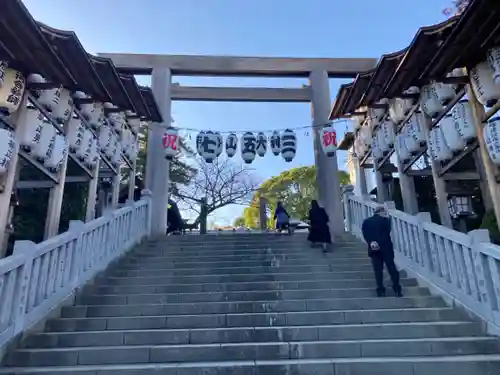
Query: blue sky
(312, 28)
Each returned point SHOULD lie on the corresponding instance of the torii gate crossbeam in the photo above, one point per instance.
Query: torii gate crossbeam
(163, 67)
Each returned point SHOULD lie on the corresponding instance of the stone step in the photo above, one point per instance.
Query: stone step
(213, 249)
(251, 295)
(240, 278)
(414, 330)
(144, 263)
(254, 255)
(438, 365)
(170, 286)
(267, 274)
(257, 319)
(104, 306)
(257, 267)
(125, 354)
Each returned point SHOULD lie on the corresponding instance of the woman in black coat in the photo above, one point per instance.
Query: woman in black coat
(318, 226)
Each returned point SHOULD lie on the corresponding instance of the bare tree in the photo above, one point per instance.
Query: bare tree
(214, 186)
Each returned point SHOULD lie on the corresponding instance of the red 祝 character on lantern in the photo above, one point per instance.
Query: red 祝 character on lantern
(170, 142)
(329, 140)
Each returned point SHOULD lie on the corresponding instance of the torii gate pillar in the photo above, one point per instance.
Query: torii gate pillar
(327, 176)
(157, 167)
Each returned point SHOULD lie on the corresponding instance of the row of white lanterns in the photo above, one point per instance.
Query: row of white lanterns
(453, 133)
(210, 144)
(39, 137)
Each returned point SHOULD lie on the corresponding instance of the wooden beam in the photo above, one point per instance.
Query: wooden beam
(199, 65)
(240, 94)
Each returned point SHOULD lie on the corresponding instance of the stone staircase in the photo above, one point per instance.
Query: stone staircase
(253, 304)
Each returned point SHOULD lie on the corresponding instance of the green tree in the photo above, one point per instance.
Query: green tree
(239, 222)
(295, 187)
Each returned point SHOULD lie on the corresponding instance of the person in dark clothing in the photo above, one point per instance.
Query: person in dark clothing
(377, 234)
(282, 218)
(318, 226)
(174, 218)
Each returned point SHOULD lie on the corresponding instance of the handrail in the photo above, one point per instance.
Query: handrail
(39, 277)
(465, 267)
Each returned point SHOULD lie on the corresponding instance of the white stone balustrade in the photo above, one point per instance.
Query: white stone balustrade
(463, 268)
(38, 277)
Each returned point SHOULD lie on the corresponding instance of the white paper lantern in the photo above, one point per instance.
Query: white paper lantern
(105, 137)
(116, 159)
(261, 146)
(389, 134)
(357, 122)
(445, 92)
(429, 101)
(359, 148)
(43, 148)
(441, 151)
(329, 140)
(411, 142)
(372, 119)
(381, 142)
(415, 128)
(231, 145)
(451, 136)
(288, 145)
(377, 153)
(134, 150)
(413, 101)
(88, 110)
(63, 109)
(365, 133)
(402, 151)
(30, 128)
(397, 110)
(209, 146)
(376, 115)
(485, 89)
(248, 147)
(11, 91)
(199, 142)
(125, 140)
(492, 139)
(493, 57)
(275, 143)
(220, 144)
(97, 116)
(93, 151)
(463, 121)
(49, 99)
(134, 122)
(84, 149)
(3, 66)
(110, 150)
(170, 142)
(57, 154)
(7, 145)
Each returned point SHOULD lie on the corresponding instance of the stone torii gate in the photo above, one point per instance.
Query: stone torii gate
(318, 70)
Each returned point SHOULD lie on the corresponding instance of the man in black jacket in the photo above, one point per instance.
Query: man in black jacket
(377, 234)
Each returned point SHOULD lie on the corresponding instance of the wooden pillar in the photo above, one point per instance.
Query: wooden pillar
(381, 187)
(483, 181)
(115, 188)
(131, 182)
(408, 192)
(90, 213)
(490, 169)
(8, 181)
(439, 182)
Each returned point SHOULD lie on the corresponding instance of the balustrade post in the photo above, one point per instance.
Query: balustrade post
(77, 260)
(92, 194)
(426, 258)
(23, 288)
(348, 214)
(477, 237)
(146, 194)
